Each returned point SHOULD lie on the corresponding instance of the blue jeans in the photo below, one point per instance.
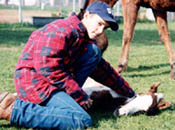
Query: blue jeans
(60, 111)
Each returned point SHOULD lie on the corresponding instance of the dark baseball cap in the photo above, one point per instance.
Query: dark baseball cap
(105, 12)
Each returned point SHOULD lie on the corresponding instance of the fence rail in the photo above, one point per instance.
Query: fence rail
(62, 8)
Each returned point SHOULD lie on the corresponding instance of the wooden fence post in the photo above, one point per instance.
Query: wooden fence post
(20, 11)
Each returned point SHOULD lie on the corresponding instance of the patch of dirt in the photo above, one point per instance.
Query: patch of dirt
(3, 48)
(11, 16)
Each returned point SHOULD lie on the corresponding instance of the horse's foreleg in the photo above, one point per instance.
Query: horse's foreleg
(130, 12)
(161, 20)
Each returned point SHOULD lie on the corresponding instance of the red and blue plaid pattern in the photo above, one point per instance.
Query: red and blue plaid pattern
(48, 62)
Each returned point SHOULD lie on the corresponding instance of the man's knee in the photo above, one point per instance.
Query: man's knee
(86, 121)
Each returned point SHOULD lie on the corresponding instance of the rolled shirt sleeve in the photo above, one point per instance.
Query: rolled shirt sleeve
(106, 75)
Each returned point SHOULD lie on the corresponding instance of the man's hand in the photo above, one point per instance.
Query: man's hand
(87, 104)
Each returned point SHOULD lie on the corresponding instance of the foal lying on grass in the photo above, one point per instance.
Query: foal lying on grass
(150, 102)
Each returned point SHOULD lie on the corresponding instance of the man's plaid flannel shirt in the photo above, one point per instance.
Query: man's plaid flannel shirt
(48, 61)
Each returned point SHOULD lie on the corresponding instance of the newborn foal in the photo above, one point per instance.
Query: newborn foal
(103, 97)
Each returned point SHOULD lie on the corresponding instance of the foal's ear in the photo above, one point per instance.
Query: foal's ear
(163, 105)
(153, 88)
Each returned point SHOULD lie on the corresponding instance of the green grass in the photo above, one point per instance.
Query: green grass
(148, 63)
(14, 34)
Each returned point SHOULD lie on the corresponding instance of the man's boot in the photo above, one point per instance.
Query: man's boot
(6, 105)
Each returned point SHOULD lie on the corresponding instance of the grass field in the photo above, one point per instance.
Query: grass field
(148, 63)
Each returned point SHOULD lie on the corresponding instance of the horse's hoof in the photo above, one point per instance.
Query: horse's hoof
(172, 75)
(121, 68)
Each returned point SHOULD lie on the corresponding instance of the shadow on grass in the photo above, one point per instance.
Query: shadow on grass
(101, 115)
(108, 115)
(9, 126)
(141, 37)
(15, 34)
(14, 37)
(147, 75)
(96, 117)
(146, 68)
(5, 125)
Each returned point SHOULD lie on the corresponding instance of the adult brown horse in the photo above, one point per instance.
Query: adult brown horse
(130, 12)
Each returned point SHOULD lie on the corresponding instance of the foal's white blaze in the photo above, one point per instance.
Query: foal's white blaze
(140, 103)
